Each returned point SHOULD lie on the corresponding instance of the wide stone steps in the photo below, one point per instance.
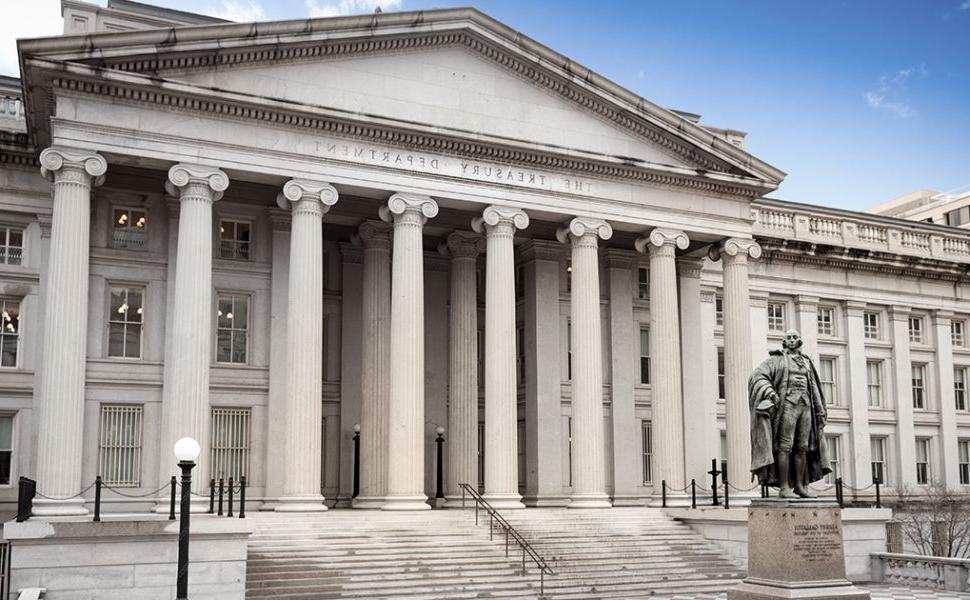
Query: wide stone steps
(617, 553)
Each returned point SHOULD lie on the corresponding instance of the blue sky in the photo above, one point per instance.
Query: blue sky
(858, 101)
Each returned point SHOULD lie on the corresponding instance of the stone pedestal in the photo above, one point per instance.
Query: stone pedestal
(795, 550)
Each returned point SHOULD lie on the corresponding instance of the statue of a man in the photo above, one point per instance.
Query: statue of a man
(787, 419)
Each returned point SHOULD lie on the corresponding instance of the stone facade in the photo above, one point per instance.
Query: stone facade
(620, 249)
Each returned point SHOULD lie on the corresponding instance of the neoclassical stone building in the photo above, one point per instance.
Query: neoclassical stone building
(262, 235)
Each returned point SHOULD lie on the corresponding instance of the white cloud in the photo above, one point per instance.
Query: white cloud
(241, 11)
(37, 18)
(890, 92)
(334, 8)
(965, 5)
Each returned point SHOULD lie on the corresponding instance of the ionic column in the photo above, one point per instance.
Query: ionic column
(737, 353)
(61, 410)
(405, 481)
(375, 238)
(186, 405)
(308, 201)
(667, 408)
(462, 447)
(589, 448)
(499, 223)
(949, 438)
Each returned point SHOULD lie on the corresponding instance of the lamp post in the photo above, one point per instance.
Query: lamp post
(356, 460)
(187, 452)
(440, 442)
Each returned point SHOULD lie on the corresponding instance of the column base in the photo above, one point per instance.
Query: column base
(546, 501)
(589, 501)
(368, 502)
(453, 501)
(419, 502)
(504, 501)
(73, 507)
(308, 503)
(629, 500)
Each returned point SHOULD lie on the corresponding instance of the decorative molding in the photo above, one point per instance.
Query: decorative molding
(735, 248)
(579, 227)
(182, 174)
(660, 237)
(55, 158)
(320, 193)
(494, 216)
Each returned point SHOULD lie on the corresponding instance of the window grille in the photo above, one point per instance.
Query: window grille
(11, 245)
(129, 229)
(119, 448)
(9, 332)
(234, 239)
(126, 312)
(871, 325)
(776, 316)
(826, 321)
(232, 328)
(230, 442)
(647, 443)
(644, 356)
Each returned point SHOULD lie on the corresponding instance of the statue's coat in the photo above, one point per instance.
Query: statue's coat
(770, 375)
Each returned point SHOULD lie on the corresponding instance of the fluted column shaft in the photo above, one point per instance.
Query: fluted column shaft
(501, 418)
(588, 446)
(187, 411)
(665, 389)
(61, 408)
(462, 444)
(405, 481)
(737, 354)
(375, 237)
(308, 201)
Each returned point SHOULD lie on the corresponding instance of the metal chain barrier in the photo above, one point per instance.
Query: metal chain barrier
(77, 495)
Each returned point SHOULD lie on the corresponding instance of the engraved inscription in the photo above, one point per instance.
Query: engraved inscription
(817, 542)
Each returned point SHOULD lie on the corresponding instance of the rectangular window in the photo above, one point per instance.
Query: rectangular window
(776, 316)
(874, 382)
(11, 245)
(960, 388)
(826, 374)
(958, 216)
(720, 373)
(916, 330)
(719, 311)
(922, 461)
(833, 449)
(119, 445)
(230, 442)
(643, 283)
(647, 444)
(6, 449)
(130, 228)
(826, 320)
(234, 239)
(125, 318)
(232, 328)
(644, 356)
(964, 463)
(956, 334)
(877, 446)
(871, 325)
(919, 386)
(10, 333)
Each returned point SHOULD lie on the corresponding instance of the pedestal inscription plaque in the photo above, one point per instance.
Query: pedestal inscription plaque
(795, 550)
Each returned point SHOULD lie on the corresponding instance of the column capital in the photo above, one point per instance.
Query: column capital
(46, 221)
(736, 248)
(660, 237)
(182, 175)
(57, 160)
(306, 194)
(505, 219)
(580, 227)
(535, 249)
(619, 258)
(279, 218)
(462, 244)
(411, 206)
(373, 234)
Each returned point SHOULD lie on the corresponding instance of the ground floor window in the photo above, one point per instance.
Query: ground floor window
(877, 446)
(119, 445)
(833, 448)
(964, 462)
(647, 443)
(922, 461)
(230, 442)
(6, 449)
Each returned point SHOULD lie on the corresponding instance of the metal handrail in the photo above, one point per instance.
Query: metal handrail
(510, 533)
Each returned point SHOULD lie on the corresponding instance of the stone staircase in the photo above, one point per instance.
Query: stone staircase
(617, 553)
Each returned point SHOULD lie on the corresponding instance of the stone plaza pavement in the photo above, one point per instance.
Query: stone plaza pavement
(879, 592)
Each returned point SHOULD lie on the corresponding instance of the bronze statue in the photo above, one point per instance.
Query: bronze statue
(787, 420)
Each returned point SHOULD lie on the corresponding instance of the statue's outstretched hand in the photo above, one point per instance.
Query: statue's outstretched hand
(765, 407)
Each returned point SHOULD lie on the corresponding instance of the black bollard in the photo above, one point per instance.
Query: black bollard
(222, 489)
(727, 498)
(838, 492)
(242, 496)
(229, 514)
(356, 461)
(171, 503)
(212, 496)
(97, 499)
(693, 494)
(714, 473)
(663, 493)
(878, 499)
(440, 442)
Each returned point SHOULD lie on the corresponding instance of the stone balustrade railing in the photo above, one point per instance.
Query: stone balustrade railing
(11, 108)
(913, 570)
(774, 219)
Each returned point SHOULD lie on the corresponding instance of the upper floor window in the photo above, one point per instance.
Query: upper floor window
(916, 330)
(877, 447)
(959, 216)
(922, 461)
(874, 382)
(11, 245)
(10, 332)
(125, 319)
(776, 316)
(643, 283)
(232, 328)
(826, 320)
(720, 373)
(963, 447)
(569, 350)
(129, 228)
(234, 239)
(871, 325)
(960, 388)
(826, 374)
(919, 386)
(719, 311)
(644, 356)
(957, 337)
